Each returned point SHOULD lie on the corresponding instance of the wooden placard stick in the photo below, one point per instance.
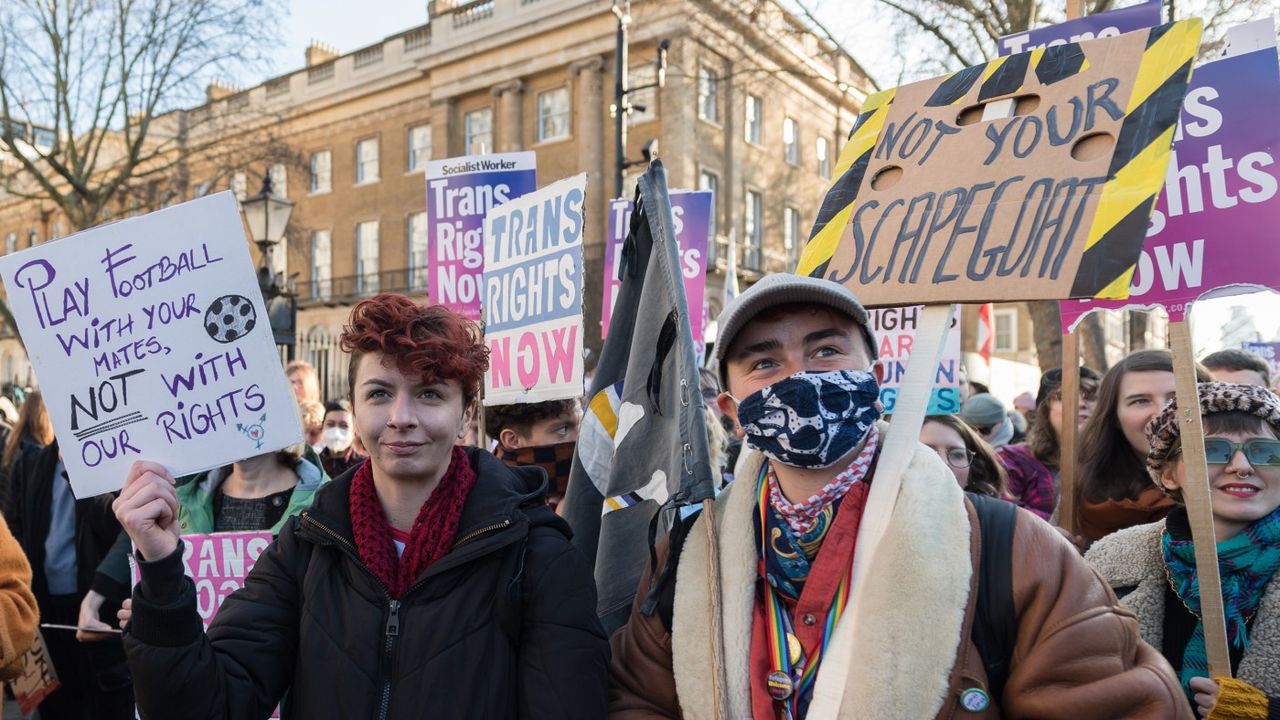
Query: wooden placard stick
(1076, 9)
(1067, 443)
(1195, 494)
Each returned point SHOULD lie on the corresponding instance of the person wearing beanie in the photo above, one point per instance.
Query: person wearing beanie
(1113, 490)
(800, 380)
(987, 415)
(1152, 566)
(1032, 466)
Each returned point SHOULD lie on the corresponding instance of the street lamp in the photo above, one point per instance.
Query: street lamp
(267, 216)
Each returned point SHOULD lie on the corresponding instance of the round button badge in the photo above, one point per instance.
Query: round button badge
(975, 700)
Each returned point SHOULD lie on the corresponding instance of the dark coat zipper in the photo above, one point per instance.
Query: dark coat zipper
(392, 629)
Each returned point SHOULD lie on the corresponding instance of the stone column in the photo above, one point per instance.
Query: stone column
(590, 119)
(508, 133)
(446, 128)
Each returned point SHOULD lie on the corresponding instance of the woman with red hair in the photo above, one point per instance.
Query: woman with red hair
(431, 581)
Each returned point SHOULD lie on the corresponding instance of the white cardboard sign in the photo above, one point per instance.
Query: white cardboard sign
(151, 341)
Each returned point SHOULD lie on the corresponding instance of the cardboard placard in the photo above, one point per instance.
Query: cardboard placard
(460, 192)
(1102, 25)
(217, 563)
(533, 295)
(151, 341)
(38, 679)
(895, 331)
(1221, 196)
(934, 204)
(692, 212)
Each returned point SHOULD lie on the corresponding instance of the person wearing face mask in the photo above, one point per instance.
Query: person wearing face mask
(540, 434)
(1153, 566)
(800, 380)
(340, 453)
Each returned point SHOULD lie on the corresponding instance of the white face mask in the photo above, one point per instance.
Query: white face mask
(337, 439)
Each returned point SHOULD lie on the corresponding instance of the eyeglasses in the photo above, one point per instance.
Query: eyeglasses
(1260, 452)
(957, 457)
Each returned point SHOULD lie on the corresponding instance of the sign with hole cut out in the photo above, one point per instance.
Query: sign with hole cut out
(936, 202)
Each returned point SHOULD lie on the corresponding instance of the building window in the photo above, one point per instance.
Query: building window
(367, 257)
(753, 230)
(321, 264)
(708, 180)
(791, 141)
(201, 190)
(321, 171)
(367, 161)
(790, 232)
(11, 243)
(824, 158)
(553, 114)
(1006, 320)
(33, 238)
(417, 232)
(238, 185)
(279, 180)
(419, 147)
(708, 95)
(647, 98)
(477, 128)
(55, 231)
(755, 119)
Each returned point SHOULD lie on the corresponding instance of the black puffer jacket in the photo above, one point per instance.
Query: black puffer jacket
(504, 626)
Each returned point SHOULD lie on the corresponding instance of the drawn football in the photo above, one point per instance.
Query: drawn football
(230, 318)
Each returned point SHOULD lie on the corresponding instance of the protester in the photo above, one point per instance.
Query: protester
(988, 417)
(431, 581)
(723, 446)
(312, 415)
(30, 434)
(304, 380)
(1114, 490)
(18, 610)
(1238, 366)
(65, 539)
(797, 361)
(1032, 467)
(1025, 404)
(340, 453)
(542, 434)
(971, 460)
(1153, 566)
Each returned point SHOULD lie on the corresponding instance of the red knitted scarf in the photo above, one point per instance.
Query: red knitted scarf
(433, 531)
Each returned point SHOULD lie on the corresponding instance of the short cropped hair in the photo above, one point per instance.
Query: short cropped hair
(427, 341)
(1235, 360)
(522, 416)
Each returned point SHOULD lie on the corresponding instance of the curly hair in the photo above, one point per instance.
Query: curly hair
(429, 341)
(521, 417)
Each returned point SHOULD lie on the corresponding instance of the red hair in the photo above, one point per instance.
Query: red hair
(429, 341)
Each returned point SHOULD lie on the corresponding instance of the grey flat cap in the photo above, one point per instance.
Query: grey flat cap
(783, 289)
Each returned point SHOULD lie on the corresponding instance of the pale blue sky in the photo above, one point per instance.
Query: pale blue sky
(344, 24)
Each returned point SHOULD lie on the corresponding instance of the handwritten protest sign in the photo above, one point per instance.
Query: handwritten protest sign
(895, 330)
(217, 563)
(935, 204)
(692, 212)
(1102, 25)
(151, 341)
(1213, 224)
(533, 295)
(460, 192)
(38, 679)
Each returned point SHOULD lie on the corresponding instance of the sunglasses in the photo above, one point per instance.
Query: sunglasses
(1260, 452)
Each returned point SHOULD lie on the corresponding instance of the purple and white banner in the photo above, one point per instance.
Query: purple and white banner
(460, 193)
(1089, 27)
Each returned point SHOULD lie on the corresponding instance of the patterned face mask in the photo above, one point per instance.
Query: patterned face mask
(811, 419)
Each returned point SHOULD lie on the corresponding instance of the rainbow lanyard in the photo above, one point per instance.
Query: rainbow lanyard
(785, 652)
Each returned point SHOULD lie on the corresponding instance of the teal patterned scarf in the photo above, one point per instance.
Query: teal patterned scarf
(1247, 562)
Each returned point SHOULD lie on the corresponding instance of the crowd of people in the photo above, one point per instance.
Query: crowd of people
(415, 574)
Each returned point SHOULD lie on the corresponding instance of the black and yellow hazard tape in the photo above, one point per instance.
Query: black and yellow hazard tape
(1133, 182)
(1138, 165)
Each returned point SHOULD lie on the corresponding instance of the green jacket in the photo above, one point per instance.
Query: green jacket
(196, 494)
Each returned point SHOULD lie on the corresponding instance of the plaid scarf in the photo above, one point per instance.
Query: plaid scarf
(1246, 562)
(433, 531)
(556, 460)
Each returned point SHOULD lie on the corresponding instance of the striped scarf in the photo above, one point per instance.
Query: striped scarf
(1246, 562)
